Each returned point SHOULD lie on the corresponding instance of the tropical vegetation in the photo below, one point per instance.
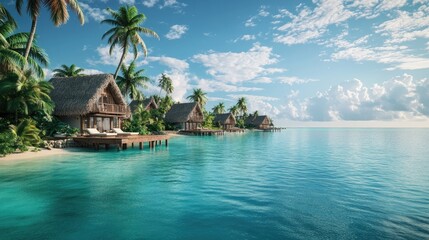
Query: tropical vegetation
(131, 80)
(66, 71)
(125, 32)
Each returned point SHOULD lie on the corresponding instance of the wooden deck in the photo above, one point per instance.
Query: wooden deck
(235, 130)
(202, 132)
(121, 142)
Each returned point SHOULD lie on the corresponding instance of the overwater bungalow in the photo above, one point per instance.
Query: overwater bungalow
(258, 122)
(225, 120)
(93, 101)
(185, 116)
(148, 104)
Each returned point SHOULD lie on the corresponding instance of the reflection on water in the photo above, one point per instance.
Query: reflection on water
(298, 184)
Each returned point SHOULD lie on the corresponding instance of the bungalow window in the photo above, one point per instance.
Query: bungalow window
(115, 122)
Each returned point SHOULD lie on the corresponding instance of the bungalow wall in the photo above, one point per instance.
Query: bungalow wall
(73, 121)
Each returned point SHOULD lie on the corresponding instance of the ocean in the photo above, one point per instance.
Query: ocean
(303, 183)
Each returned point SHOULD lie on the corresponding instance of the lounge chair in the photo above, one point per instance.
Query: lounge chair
(95, 132)
(120, 132)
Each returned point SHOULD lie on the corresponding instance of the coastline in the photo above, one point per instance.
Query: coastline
(42, 153)
(47, 153)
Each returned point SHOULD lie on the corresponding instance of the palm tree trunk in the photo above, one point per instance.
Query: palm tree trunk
(31, 38)
(122, 60)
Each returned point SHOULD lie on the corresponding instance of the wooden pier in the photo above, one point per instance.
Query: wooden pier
(121, 142)
(273, 129)
(202, 132)
(235, 130)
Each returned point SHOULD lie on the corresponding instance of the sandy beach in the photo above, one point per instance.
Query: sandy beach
(39, 154)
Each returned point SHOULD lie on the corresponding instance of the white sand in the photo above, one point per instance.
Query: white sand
(39, 154)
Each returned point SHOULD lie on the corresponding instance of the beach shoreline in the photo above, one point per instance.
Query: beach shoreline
(39, 154)
(48, 153)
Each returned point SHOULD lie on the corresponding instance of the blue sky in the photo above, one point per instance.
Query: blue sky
(328, 62)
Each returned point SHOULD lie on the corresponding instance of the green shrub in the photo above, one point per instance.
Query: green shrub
(7, 143)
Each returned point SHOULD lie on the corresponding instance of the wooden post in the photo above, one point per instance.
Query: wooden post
(132, 145)
(166, 142)
(141, 145)
(124, 146)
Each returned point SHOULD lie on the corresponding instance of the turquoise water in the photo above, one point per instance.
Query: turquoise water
(297, 184)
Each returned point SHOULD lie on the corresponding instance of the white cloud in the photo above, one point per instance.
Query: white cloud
(400, 98)
(214, 86)
(95, 13)
(177, 71)
(176, 32)
(311, 24)
(173, 63)
(248, 37)
(391, 4)
(106, 59)
(250, 22)
(150, 3)
(92, 71)
(295, 80)
(48, 73)
(263, 12)
(263, 80)
(407, 26)
(235, 67)
(128, 2)
(262, 104)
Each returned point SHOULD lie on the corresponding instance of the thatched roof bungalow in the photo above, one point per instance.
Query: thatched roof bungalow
(225, 120)
(93, 101)
(148, 104)
(185, 116)
(259, 122)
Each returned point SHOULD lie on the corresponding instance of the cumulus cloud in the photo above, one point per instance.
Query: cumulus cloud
(400, 98)
(150, 3)
(176, 32)
(95, 13)
(293, 80)
(92, 71)
(214, 86)
(106, 59)
(178, 72)
(235, 67)
(127, 2)
(310, 24)
(248, 37)
(262, 104)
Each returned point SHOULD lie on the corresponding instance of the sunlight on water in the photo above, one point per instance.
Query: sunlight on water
(297, 184)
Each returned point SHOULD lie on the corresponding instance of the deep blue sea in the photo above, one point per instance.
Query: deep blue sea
(296, 184)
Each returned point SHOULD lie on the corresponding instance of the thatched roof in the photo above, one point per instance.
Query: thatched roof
(256, 121)
(183, 112)
(146, 103)
(223, 117)
(78, 95)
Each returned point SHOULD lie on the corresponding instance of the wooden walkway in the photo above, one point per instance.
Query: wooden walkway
(121, 142)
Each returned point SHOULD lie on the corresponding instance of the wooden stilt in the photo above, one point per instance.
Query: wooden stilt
(141, 145)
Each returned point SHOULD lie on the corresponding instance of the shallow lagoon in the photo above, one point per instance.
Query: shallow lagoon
(297, 184)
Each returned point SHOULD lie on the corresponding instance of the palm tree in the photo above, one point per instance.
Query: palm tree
(12, 49)
(58, 10)
(198, 96)
(242, 105)
(66, 71)
(7, 23)
(23, 94)
(26, 132)
(220, 108)
(234, 110)
(125, 32)
(131, 80)
(255, 114)
(166, 84)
